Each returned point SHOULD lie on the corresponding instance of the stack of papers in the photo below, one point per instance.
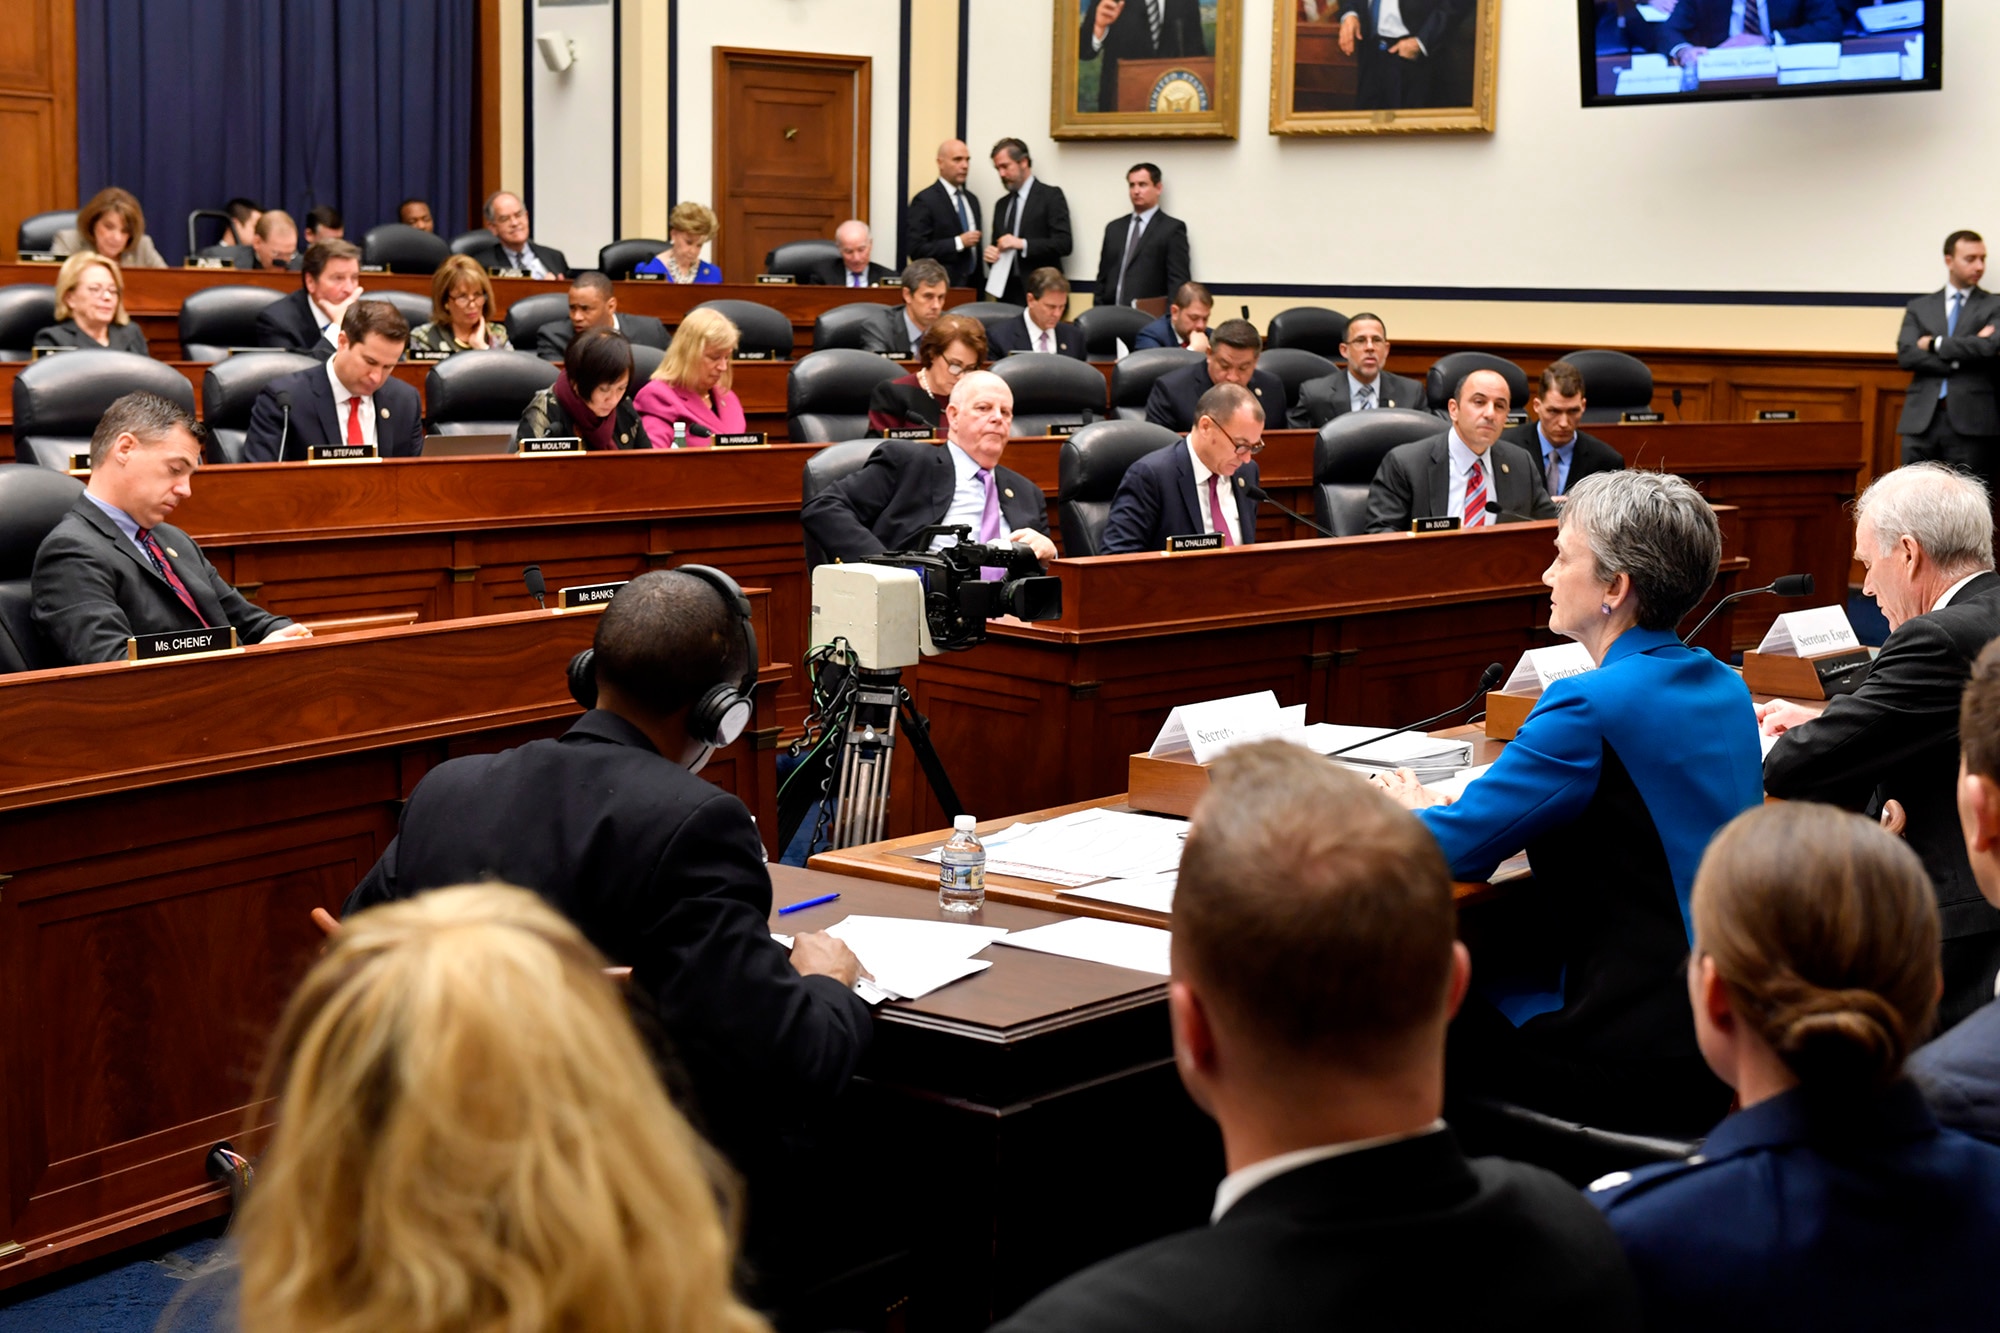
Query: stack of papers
(1151, 893)
(907, 959)
(1431, 758)
(1082, 848)
(1454, 787)
(1116, 943)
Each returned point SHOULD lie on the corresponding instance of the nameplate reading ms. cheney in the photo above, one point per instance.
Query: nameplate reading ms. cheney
(180, 643)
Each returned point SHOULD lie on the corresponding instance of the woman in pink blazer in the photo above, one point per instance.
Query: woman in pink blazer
(692, 385)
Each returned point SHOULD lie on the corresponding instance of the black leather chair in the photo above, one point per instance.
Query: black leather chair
(1052, 390)
(199, 215)
(240, 257)
(1105, 326)
(1132, 379)
(468, 241)
(404, 249)
(799, 258)
(1310, 329)
(826, 395)
(1089, 468)
(646, 359)
(26, 308)
(215, 319)
(483, 393)
(38, 233)
(230, 389)
(415, 306)
(1293, 366)
(823, 469)
(1442, 380)
(58, 400)
(989, 313)
(759, 328)
(1613, 383)
(840, 326)
(617, 260)
(525, 318)
(32, 501)
(1486, 1127)
(1349, 450)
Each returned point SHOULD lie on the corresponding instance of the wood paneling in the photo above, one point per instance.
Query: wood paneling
(37, 113)
(791, 149)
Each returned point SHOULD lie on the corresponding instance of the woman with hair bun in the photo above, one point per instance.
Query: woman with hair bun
(1832, 1199)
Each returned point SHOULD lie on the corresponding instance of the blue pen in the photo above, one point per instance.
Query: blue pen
(810, 902)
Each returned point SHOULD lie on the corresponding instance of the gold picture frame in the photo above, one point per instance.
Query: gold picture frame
(1319, 88)
(1160, 87)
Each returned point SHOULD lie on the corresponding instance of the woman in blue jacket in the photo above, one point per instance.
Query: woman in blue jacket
(1614, 786)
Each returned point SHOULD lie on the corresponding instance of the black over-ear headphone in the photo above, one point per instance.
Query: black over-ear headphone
(719, 716)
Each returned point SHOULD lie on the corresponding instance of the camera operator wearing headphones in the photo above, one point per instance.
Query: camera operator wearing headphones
(659, 869)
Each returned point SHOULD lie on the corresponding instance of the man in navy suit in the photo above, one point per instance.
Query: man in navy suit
(1145, 252)
(1199, 484)
(1042, 328)
(1553, 435)
(855, 267)
(352, 399)
(942, 221)
(1031, 221)
(1695, 26)
(1948, 344)
(511, 248)
(1184, 325)
(1232, 359)
(308, 320)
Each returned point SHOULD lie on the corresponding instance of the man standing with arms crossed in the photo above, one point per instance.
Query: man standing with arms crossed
(1949, 415)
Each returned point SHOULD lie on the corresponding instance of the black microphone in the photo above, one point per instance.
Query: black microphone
(538, 587)
(1677, 404)
(285, 402)
(1789, 585)
(1488, 679)
(1508, 515)
(1258, 493)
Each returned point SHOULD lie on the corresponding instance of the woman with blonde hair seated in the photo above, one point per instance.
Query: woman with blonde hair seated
(692, 384)
(1831, 1200)
(470, 1136)
(689, 228)
(461, 312)
(90, 308)
(113, 225)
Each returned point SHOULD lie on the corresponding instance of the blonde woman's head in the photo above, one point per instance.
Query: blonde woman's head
(92, 285)
(698, 359)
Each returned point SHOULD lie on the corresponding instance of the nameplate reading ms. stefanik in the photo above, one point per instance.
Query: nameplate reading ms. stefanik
(588, 594)
(552, 444)
(1194, 541)
(182, 643)
(910, 433)
(752, 439)
(1444, 523)
(341, 453)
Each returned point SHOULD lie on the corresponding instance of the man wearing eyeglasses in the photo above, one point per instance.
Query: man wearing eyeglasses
(1200, 484)
(1233, 346)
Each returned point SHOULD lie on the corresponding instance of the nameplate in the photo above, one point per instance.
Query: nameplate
(1809, 633)
(424, 354)
(1066, 428)
(1641, 418)
(645, 277)
(1424, 525)
(341, 453)
(890, 282)
(750, 439)
(374, 268)
(1195, 541)
(588, 594)
(1540, 668)
(40, 257)
(776, 279)
(549, 445)
(911, 433)
(1778, 414)
(40, 352)
(1517, 418)
(213, 261)
(500, 272)
(181, 643)
(766, 354)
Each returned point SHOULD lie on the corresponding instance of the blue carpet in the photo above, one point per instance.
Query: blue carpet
(133, 1292)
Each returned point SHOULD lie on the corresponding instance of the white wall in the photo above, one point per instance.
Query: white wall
(574, 168)
(1824, 194)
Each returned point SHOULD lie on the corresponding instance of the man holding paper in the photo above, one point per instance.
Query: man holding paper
(1696, 26)
(1030, 225)
(1925, 535)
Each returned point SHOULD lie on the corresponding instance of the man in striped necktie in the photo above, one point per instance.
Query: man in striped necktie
(1468, 473)
(1119, 30)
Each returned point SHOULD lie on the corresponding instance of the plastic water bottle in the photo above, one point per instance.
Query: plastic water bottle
(962, 869)
(680, 435)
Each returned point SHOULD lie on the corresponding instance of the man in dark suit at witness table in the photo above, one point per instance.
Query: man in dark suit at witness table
(1315, 967)
(1948, 344)
(1363, 385)
(909, 485)
(1553, 436)
(1697, 26)
(308, 320)
(855, 266)
(113, 568)
(1042, 328)
(593, 304)
(1155, 240)
(942, 221)
(1468, 472)
(1199, 484)
(1121, 30)
(1031, 221)
(353, 399)
(1233, 346)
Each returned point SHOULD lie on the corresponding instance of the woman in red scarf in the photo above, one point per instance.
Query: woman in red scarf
(589, 399)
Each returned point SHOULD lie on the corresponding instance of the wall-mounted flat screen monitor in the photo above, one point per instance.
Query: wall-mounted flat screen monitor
(1712, 50)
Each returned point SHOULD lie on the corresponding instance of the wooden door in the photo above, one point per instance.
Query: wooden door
(791, 151)
(37, 112)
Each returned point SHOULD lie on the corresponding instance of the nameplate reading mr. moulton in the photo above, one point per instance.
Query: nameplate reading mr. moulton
(588, 594)
(549, 445)
(181, 643)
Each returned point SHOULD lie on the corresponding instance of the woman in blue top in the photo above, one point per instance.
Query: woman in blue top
(1614, 786)
(1832, 1200)
(690, 227)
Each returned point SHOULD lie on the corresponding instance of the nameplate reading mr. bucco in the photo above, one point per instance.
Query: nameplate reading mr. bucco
(1198, 541)
(1444, 524)
(589, 594)
(550, 445)
(341, 453)
(180, 643)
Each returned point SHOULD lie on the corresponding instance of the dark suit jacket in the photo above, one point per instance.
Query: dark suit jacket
(661, 871)
(1131, 38)
(1160, 333)
(1044, 225)
(903, 488)
(833, 273)
(292, 324)
(553, 338)
(94, 590)
(1706, 22)
(931, 230)
(1011, 335)
(1160, 266)
(1413, 481)
(1325, 398)
(1964, 364)
(120, 338)
(1158, 499)
(1354, 1243)
(1896, 737)
(887, 333)
(1960, 1074)
(1587, 456)
(399, 418)
(1172, 401)
(1429, 21)
(491, 255)
(903, 404)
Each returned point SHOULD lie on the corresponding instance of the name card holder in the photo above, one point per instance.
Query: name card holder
(746, 440)
(1065, 429)
(1641, 418)
(210, 642)
(911, 433)
(890, 282)
(210, 261)
(1508, 707)
(41, 257)
(588, 596)
(342, 453)
(645, 277)
(499, 271)
(1517, 418)
(41, 353)
(1196, 541)
(549, 446)
(374, 268)
(424, 354)
(1445, 523)
(1818, 677)
(1778, 414)
(776, 280)
(763, 355)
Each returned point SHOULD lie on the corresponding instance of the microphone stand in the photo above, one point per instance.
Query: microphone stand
(1772, 586)
(1259, 494)
(1487, 680)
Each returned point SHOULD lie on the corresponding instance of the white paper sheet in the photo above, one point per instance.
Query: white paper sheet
(1150, 893)
(996, 277)
(1809, 55)
(1104, 844)
(1454, 786)
(909, 959)
(1114, 943)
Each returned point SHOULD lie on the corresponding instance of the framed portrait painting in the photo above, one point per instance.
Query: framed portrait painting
(1145, 69)
(1384, 66)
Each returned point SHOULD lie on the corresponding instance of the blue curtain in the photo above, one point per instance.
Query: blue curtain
(293, 103)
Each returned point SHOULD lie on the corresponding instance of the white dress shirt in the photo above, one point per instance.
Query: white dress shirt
(340, 400)
(1225, 495)
(1389, 25)
(968, 499)
(526, 260)
(1240, 1182)
(1461, 472)
(1036, 334)
(329, 327)
(955, 193)
(1020, 206)
(1944, 598)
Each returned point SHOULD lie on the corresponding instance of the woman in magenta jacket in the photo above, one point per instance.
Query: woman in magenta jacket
(692, 384)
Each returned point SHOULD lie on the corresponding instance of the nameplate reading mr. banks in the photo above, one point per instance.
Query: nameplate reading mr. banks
(589, 594)
(180, 643)
(340, 453)
(1444, 524)
(550, 445)
(1198, 541)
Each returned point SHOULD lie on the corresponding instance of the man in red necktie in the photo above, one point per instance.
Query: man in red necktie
(114, 568)
(1468, 472)
(352, 399)
(1202, 483)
